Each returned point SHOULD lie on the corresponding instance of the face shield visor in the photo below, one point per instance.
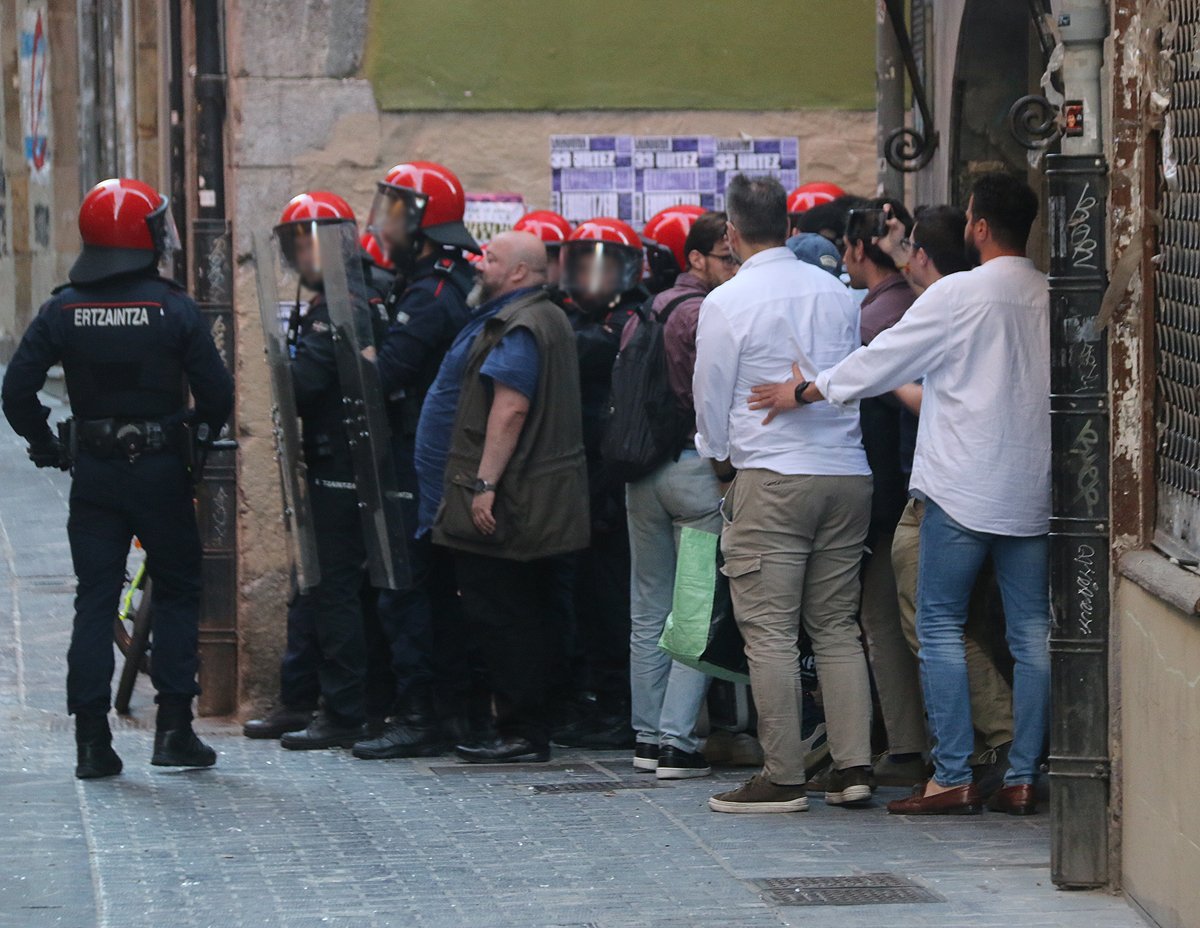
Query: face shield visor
(662, 266)
(597, 273)
(165, 236)
(300, 249)
(395, 219)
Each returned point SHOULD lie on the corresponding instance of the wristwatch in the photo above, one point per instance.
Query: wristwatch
(482, 486)
(800, 388)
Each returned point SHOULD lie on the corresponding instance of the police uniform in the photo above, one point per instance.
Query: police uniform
(126, 345)
(300, 667)
(333, 606)
(603, 569)
(427, 310)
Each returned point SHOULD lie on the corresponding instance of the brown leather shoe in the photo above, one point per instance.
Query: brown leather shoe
(1014, 800)
(962, 800)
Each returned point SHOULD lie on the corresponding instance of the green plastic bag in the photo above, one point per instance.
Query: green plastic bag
(701, 632)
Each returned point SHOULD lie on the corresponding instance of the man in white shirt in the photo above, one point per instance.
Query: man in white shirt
(797, 513)
(981, 340)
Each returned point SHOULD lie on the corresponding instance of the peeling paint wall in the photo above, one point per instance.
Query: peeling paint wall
(1155, 672)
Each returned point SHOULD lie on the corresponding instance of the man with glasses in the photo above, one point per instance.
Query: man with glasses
(667, 696)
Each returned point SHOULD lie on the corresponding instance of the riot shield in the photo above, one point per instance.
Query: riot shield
(285, 423)
(350, 315)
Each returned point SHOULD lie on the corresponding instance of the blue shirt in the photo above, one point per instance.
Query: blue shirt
(514, 362)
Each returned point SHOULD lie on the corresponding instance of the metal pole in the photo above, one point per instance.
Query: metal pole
(889, 100)
(1080, 569)
(212, 275)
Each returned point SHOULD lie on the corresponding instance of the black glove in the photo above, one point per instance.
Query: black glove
(49, 452)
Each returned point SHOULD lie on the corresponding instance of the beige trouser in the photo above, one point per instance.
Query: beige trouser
(991, 695)
(893, 663)
(793, 548)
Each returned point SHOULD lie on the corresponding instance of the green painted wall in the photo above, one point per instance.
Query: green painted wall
(622, 54)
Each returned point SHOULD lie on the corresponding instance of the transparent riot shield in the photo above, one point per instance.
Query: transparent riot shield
(285, 422)
(351, 316)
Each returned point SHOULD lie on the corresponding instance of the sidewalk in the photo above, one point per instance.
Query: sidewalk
(299, 840)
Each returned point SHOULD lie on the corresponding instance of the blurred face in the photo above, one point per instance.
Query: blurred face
(596, 278)
(920, 271)
(307, 257)
(394, 226)
(553, 267)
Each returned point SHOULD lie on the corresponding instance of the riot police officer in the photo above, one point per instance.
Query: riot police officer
(417, 217)
(333, 606)
(602, 263)
(127, 338)
(300, 667)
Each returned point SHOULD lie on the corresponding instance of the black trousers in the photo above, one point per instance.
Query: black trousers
(112, 500)
(515, 612)
(602, 619)
(341, 554)
(300, 668)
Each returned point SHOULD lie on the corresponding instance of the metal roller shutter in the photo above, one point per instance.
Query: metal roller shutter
(1177, 306)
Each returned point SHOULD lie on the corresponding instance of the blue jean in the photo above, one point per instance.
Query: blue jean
(666, 696)
(950, 559)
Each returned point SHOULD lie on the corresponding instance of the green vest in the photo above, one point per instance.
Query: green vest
(541, 506)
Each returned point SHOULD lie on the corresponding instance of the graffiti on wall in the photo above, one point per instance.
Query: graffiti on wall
(35, 92)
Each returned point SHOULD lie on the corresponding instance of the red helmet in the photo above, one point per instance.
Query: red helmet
(601, 260)
(300, 218)
(316, 206)
(550, 227)
(428, 198)
(806, 196)
(370, 245)
(669, 229)
(126, 226)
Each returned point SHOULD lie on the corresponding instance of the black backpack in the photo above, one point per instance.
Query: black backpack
(645, 425)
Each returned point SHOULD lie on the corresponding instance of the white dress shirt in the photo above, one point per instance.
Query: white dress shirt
(981, 339)
(775, 310)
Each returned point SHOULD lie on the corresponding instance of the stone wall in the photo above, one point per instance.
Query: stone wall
(301, 119)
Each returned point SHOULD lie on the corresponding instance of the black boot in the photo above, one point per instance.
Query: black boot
(414, 732)
(175, 744)
(278, 723)
(94, 754)
(324, 731)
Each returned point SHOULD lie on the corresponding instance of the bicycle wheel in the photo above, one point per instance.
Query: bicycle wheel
(135, 593)
(137, 652)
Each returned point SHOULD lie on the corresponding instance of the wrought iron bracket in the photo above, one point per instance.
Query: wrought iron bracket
(908, 149)
(1033, 121)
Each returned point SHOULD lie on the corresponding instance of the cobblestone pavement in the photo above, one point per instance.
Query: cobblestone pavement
(270, 838)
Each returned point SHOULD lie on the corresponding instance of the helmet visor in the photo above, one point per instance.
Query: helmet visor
(600, 272)
(395, 217)
(300, 250)
(163, 232)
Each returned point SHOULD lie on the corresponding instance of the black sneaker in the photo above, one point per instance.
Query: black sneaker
(402, 738)
(677, 764)
(850, 787)
(645, 757)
